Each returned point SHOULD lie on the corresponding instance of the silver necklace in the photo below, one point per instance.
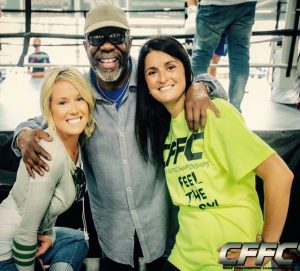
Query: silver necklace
(114, 102)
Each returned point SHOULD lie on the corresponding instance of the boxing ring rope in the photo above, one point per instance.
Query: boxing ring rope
(293, 33)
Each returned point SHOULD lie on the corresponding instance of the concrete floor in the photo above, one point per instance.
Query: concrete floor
(260, 113)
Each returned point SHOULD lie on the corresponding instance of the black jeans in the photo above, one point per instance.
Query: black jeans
(169, 267)
(107, 264)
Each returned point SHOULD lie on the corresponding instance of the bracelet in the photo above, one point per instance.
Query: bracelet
(17, 141)
(260, 238)
(17, 138)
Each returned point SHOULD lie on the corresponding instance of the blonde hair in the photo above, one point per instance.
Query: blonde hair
(74, 77)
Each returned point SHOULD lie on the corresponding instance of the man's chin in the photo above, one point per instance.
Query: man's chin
(108, 76)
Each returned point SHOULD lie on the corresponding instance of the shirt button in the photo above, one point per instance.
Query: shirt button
(121, 134)
(125, 162)
(113, 107)
(128, 188)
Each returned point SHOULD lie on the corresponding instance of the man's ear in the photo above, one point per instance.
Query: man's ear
(130, 41)
(129, 44)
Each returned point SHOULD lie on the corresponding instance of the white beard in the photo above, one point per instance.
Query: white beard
(109, 77)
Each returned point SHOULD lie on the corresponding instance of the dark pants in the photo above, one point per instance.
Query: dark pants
(107, 264)
(169, 267)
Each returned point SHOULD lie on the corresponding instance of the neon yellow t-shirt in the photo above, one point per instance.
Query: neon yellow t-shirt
(210, 177)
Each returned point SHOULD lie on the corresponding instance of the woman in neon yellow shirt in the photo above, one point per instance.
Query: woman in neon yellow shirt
(211, 173)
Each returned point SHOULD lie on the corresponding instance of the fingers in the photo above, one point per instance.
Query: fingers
(44, 135)
(32, 166)
(233, 254)
(196, 111)
(29, 140)
(44, 154)
(38, 252)
(196, 119)
(41, 249)
(43, 165)
(34, 162)
(36, 153)
(29, 170)
(44, 243)
(189, 116)
(203, 117)
(37, 148)
(216, 111)
(32, 152)
(192, 116)
(200, 115)
(38, 169)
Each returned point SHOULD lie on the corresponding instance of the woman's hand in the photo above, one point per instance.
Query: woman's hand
(44, 243)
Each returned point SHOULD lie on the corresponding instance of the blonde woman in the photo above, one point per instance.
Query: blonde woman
(29, 213)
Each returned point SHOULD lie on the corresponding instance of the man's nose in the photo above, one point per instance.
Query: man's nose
(107, 46)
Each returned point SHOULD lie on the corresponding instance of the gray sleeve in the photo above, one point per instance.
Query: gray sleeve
(215, 87)
(39, 196)
(34, 123)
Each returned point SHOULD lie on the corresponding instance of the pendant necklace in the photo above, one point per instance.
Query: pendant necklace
(113, 102)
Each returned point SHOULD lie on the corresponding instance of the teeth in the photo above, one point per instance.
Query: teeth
(74, 121)
(107, 60)
(165, 88)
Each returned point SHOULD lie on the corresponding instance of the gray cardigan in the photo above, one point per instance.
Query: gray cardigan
(39, 201)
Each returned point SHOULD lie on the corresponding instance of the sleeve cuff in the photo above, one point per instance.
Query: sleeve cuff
(215, 89)
(14, 145)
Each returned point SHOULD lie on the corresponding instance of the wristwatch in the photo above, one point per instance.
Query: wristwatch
(260, 238)
(17, 142)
